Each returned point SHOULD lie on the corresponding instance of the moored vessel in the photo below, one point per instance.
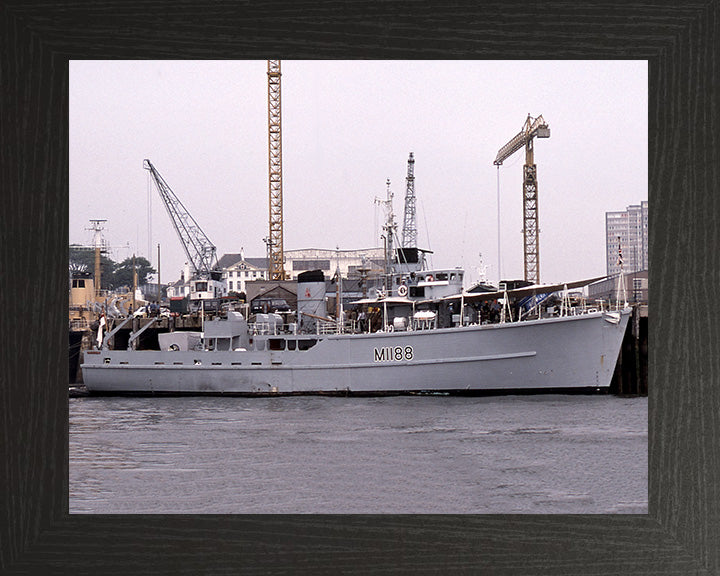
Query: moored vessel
(412, 352)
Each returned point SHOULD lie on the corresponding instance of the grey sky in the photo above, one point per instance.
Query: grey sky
(347, 127)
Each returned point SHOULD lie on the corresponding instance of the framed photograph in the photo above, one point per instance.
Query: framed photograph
(39, 531)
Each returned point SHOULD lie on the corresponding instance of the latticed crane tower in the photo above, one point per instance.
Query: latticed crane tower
(275, 238)
(533, 127)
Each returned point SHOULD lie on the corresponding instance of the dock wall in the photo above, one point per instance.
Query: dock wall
(631, 372)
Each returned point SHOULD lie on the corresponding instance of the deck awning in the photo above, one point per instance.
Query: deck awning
(520, 292)
(390, 300)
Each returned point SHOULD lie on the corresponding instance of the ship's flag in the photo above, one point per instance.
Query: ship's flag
(100, 331)
(620, 256)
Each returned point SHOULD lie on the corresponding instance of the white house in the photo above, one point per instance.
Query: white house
(237, 270)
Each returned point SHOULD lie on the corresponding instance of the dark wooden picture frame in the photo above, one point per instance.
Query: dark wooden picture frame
(681, 533)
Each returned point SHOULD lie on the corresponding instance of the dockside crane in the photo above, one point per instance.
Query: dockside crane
(533, 127)
(201, 253)
(275, 238)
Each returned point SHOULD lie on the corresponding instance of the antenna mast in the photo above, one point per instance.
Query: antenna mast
(390, 229)
(409, 239)
(99, 245)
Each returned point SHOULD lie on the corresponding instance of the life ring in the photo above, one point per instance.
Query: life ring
(390, 328)
(429, 278)
(402, 290)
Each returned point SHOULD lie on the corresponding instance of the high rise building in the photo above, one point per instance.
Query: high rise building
(626, 233)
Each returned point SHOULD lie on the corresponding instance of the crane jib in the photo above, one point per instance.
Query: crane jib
(201, 253)
(534, 127)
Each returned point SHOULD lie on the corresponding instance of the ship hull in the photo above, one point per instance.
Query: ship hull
(576, 352)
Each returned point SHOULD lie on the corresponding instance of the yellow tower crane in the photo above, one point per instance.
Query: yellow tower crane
(275, 238)
(533, 127)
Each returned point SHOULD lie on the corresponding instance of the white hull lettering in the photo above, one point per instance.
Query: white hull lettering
(393, 354)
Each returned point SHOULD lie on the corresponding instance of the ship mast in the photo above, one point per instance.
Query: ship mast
(621, 291)
(389, 229)
(409, 239)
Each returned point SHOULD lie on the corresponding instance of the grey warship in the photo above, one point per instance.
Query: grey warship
(412, 351)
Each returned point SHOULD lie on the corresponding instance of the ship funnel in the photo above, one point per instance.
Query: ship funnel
(310, 298)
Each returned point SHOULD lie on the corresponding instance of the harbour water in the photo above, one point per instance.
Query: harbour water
(539, 454)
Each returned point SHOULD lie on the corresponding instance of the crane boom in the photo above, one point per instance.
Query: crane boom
(533, 127)
(200, 251)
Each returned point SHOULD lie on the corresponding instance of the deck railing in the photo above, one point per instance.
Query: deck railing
(272, 329)
(79, 324)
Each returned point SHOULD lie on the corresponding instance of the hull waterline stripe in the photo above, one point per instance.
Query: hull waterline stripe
(313, 367)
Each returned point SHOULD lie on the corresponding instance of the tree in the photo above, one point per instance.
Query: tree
(123, 272)
(83, 258)
(113, 275)
(237, 295)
